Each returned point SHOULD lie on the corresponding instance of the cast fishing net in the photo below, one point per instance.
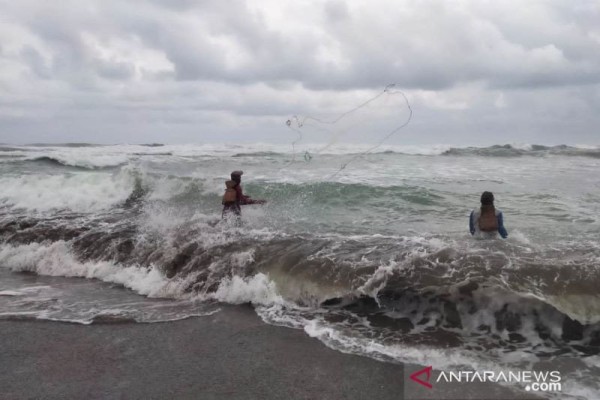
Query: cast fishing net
(369, 124)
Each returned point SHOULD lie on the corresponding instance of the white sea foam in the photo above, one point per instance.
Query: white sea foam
(56, 259)
(89, 191)
(377, 280)
(440, 358)
(90, 161)
(10, 293)
(114, 155)
(258, 289)
(519, 237)
(91, 157)
(84, 301)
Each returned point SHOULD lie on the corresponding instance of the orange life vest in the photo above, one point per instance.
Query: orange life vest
(230, 195)
(487, 219)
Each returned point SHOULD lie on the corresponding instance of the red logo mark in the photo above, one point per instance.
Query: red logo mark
(426, 370)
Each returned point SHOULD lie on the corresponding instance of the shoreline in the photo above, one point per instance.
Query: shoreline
(231, 354)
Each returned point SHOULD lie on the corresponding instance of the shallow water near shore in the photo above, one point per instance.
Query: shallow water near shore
(374, 259)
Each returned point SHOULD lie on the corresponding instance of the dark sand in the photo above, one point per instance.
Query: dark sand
(229, 355)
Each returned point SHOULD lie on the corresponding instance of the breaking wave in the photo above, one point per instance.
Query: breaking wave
(95, 156)
(376, 262)
(402, 288)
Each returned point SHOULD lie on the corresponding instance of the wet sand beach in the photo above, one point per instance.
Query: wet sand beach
(229, 355)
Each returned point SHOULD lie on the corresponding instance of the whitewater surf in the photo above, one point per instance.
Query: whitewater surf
(375, 261)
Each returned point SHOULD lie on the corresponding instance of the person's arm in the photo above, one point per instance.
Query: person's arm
(245, 200)
(501, 228)
(472, 223)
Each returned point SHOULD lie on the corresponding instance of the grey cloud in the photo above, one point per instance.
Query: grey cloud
(336, 11)
(115, 70)
(36, 62)
(429, 46)
(231, 58)
(179, 5)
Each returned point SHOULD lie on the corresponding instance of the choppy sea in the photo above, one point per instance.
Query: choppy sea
(368, 252)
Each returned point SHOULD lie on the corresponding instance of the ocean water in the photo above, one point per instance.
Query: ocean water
(369, 253)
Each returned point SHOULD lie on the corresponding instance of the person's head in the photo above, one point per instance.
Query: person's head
(487, 199)
(236, 176)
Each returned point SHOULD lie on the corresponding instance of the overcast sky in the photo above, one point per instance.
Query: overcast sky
(184, 71)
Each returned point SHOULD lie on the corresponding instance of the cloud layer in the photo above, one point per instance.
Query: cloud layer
(193, 71)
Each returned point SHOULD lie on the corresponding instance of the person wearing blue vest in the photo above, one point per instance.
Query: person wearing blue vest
(487, 221)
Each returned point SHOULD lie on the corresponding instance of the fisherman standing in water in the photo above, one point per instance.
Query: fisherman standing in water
(234, 196)
(486, 221)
